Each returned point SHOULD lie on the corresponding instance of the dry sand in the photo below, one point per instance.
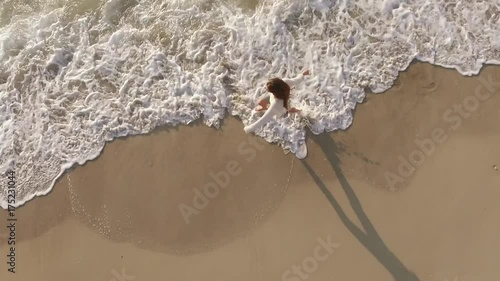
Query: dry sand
(117, 218)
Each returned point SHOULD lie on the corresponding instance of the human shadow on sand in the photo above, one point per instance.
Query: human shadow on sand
(370, 239)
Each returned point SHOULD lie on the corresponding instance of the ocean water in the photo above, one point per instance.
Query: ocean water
(77, 73)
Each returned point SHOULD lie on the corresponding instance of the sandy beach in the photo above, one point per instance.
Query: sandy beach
(409, 192)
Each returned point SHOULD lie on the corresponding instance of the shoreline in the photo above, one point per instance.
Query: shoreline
(199, 121)
(120, 213)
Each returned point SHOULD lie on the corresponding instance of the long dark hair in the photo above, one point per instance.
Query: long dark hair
(279, 89)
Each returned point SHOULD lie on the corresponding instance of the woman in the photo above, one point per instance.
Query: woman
(278, 102)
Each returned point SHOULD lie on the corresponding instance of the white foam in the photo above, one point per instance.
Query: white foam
(68, 87)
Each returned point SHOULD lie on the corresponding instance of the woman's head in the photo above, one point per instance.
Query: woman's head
(279, 89)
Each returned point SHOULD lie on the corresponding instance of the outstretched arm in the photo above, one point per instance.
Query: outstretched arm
(273, 109)
(294, 81)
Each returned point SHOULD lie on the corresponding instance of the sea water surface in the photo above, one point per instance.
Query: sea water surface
(77, 73)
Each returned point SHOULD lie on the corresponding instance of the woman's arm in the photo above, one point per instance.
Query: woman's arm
(273, 109)
(294, 81)
(264, 99)
(263, 102)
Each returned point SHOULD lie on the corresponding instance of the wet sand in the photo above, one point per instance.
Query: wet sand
(364, 205)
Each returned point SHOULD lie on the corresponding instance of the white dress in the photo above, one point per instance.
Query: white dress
(276, 107)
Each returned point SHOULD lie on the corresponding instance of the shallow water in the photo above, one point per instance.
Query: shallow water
(75, 74)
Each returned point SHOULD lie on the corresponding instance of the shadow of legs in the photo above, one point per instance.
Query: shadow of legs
(370, 239)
